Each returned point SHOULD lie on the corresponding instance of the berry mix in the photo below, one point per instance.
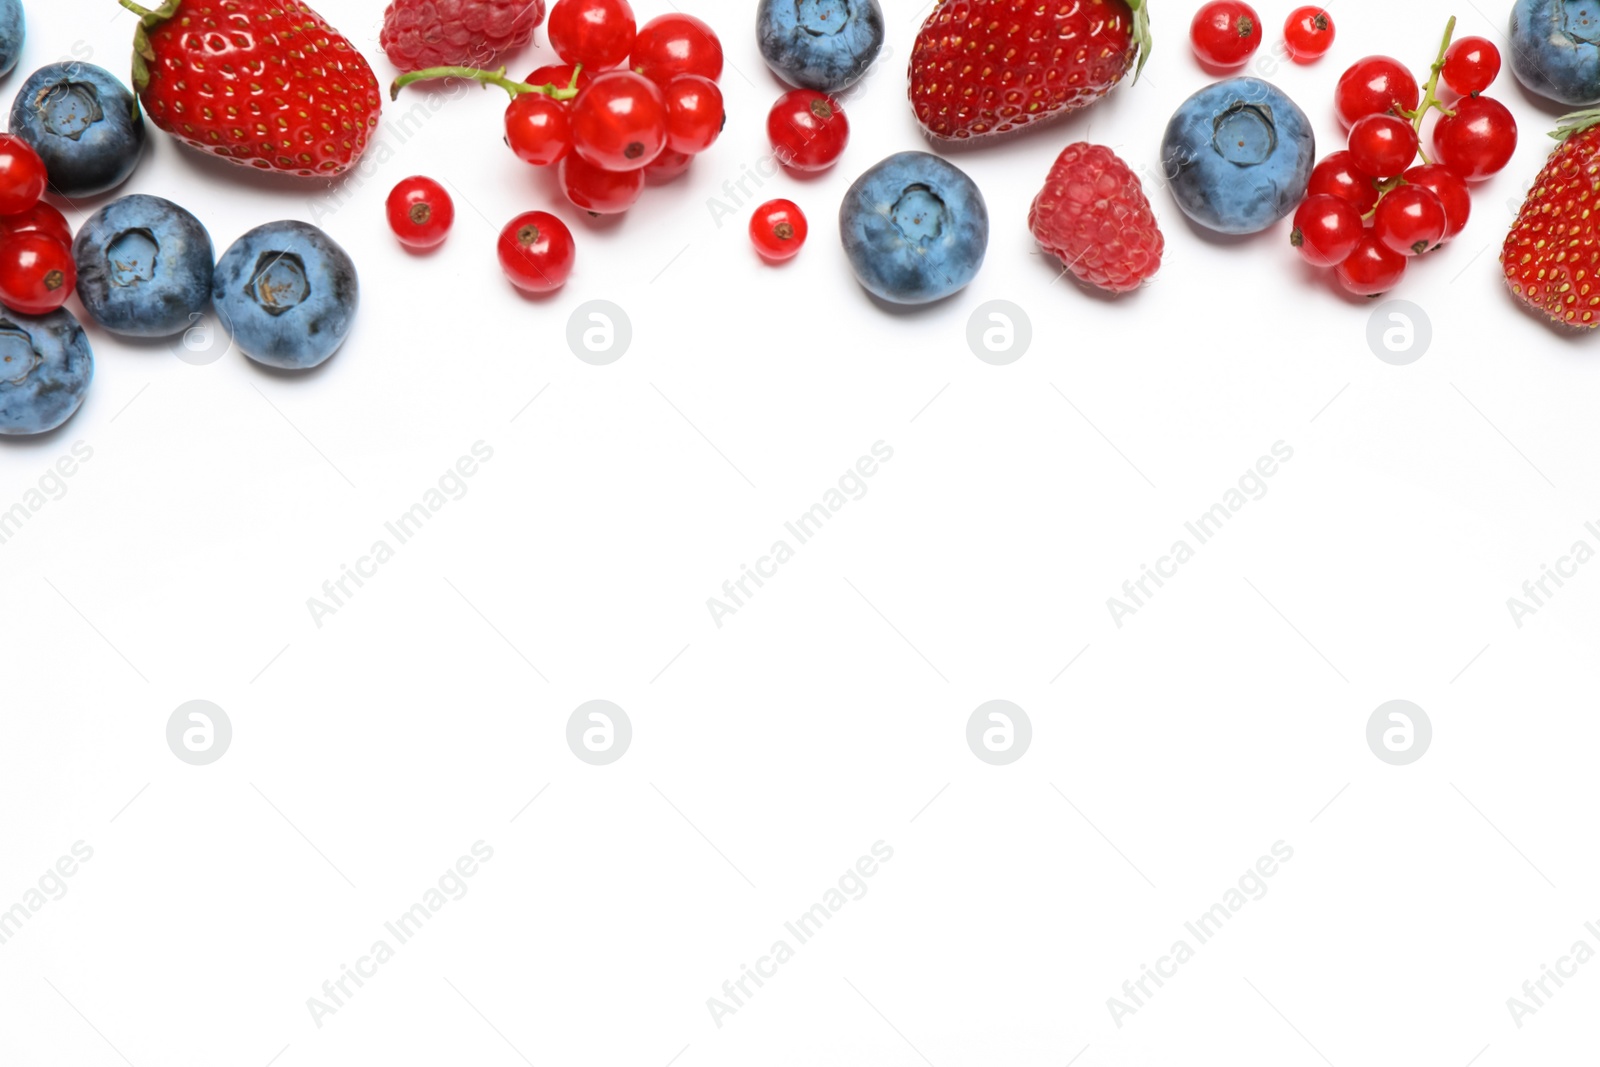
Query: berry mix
(623, 105)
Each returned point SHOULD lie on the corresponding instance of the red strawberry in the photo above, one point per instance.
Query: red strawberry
(263, 83)
(1093, 216)
(418, 34)
(1552, 254)
(982, 67)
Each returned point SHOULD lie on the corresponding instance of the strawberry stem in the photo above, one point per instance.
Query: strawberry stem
(1576, 123)
(1141, 34)
(1430, 99)
(488, 77)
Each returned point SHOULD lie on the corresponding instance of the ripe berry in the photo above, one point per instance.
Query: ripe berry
(596, 33)
(1092, 215)
(1451, 191)
(420, 213)
(1477, 141)
(667, 166)
(1383, 145)
(1409, 220)
(674, 44)
(807, 129)
(538, 128)
(597, 190)
(694, 113)
(22, 175)
(1225, 33)
(1471, 65)
(1326, 230)
(1308, 34)
(620, 121)
(1338, 175)
(1373, 86)
(37, 274)
(778, 229)
(40, 218)
(536, 252)
(1372, 268)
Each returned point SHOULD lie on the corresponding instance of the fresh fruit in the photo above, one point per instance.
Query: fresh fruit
(536, 252)
(1308, 34)
(1225, 33)
(1383, 145)
(1373, 86)
(420, 212)
(83, 123)
(596, 33)
(808, 130)
(36, 274)
(1326, 230)
(560, 76)
(1337, 175)
(145, 267)
(1478, 140)
(311, 116)
(22, 175)
(1551, 257)
(1093, 216)
(1452, 192)
(597, 190)
(1238, 155)
(914, 228)
(620, 121)
(13, 33)
(667, 166)
(1409, 220)
(287, 293)
(40, 218)
(985, 67)
(1555, 49)
(819, 44)
(694, 113)
(1471, 65)
(674, 44)
(45, 370)
(538, 128)
(1372, 269)
(434, 33)
(778, 229)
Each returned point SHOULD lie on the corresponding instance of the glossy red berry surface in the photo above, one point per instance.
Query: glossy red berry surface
(420, 212)
(597, 190)
(40, 218)
(1409, 220)
(1471, 65)
(1372, 86)
(667, 166)
(1372, 268)
(22, 175)
(37, 273)
(620, 121)
(808, 130)
(597, 33)
(559, 75)
(1383, 145)
(1338, 175)
(1225, 33)
(778, 229)
(1326, 230)
(536, 252)
(1477, 141)
(538, 129)
(694, 113)
(1451, 190)
(674, 44)
(1308, 34)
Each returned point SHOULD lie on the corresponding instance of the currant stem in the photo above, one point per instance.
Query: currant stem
(1430, 99)
(485, 77)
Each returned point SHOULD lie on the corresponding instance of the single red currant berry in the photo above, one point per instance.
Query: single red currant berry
(596, 33)
(667, 166)
(559, 76)
(1451, 191)
(1409, 220)
(536, 252)
(694, 113)
(1373, 86)
(1373, 268)
(22, 175)
(1471, 65)
(40, 218)
(1477, 140)
(597, 190)
(1338, 175)
(1383, 145)
(1326, 230)
(778, 229)
(420, 212)
(620, 121)
(1308, 34)
(670, 45)
(807, 129)
(37, 274)
(538, 129)
(1225, 33)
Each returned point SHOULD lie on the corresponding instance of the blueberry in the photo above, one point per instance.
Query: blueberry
(287, 293)
(1555, 49)
(45, 369)
(914, 228)
(83, 123)
(144, 266)
(1238, 155)
(819, 44)
(13, 31)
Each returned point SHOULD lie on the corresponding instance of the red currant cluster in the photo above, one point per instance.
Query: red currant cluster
(1372, 207)
(37, 272)
(1226, 33)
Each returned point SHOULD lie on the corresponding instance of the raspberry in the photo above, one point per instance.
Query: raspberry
(1093, 216)
(418, 34)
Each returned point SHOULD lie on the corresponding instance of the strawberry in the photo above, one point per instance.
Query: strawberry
(983, 67)
(262, 83)
(1093, 216)
(1552, 254)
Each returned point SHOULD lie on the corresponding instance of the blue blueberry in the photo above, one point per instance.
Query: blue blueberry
(144, 267)
(287, 293)
(915, 228)
(1238, 155)
(83, 123)
(819, 44)
(45, 370)
(1555, 49)
(13, 31)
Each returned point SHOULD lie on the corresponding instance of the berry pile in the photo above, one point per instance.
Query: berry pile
(37, 272)
(1371, 208)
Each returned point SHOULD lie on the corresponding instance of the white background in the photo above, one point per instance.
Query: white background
(830, 712)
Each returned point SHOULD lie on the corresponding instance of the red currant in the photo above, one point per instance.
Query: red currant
(40, 218)
(1451, 191)
(1372, 268)
(420, 212)
(536, 252)
(597, 33)
(1225, 33)
(559, 75)
(597, 190)
(669, 45)
(1326, 230)
(1409, 220)
(22, 175)
(620, 121)
(778, 229)
(807, 129)
(1338, 175)
(1471, 65)
(694, 113)
(668, 165)
(1308, 34)
(37, 274)
(538, 129)
(1373, 86)
(1383, 145)
(1476, 141)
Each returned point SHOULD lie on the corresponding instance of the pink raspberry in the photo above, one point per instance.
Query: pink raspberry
(456, 33)
(1093, 216)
